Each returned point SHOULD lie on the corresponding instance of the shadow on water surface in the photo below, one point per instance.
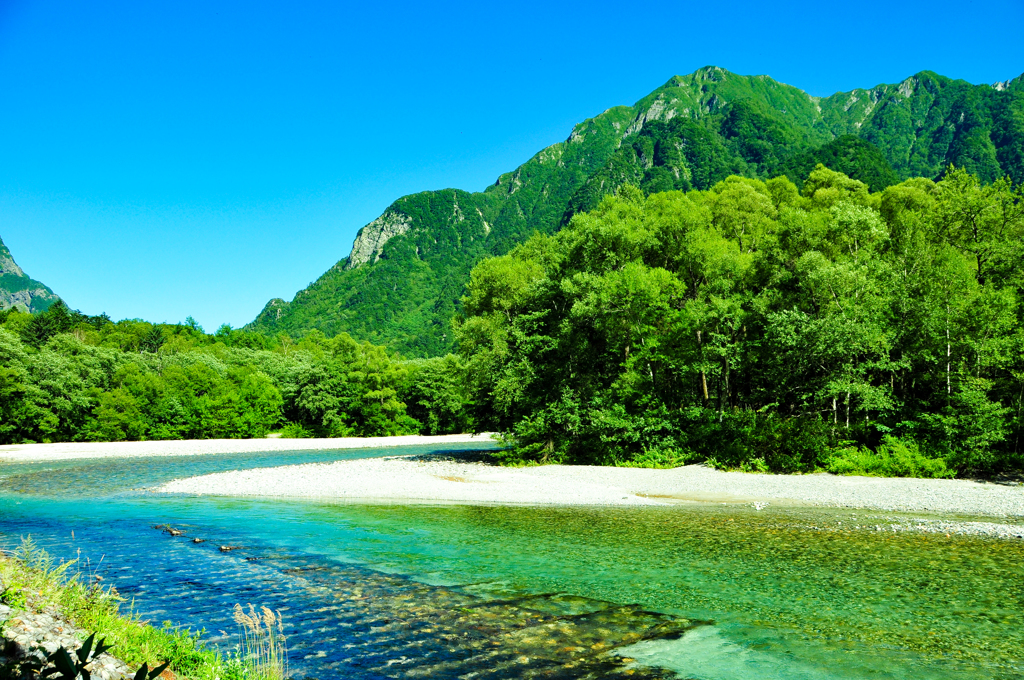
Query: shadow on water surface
(491, 591)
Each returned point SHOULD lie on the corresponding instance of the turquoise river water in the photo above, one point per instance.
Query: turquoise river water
(375, 590)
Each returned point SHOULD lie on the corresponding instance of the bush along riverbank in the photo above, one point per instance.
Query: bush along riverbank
(762, 326)
(45, 606)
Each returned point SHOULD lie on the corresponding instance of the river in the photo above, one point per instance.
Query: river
(386, 590)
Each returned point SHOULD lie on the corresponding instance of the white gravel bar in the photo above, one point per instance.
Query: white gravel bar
(199, 447)
(444, 479)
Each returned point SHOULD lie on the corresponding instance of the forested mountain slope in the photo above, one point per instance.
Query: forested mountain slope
(402, 282)
(18, 289)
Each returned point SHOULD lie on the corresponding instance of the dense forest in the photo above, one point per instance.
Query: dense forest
(65, 376)
(755, 324)
(402, 282)
(760, 325)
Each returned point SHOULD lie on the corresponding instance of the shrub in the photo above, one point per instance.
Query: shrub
(893, 458)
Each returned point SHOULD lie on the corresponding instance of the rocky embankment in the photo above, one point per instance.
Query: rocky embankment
(27, 637)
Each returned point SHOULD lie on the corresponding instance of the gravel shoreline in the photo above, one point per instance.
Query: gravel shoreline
(459, 479)
(198, 447)
(474, 479)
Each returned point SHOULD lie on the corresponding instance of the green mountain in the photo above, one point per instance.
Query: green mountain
(402, 282)
(17, 289)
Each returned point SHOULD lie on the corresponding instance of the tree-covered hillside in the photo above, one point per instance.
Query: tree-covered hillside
(402, 282)
(19, 290)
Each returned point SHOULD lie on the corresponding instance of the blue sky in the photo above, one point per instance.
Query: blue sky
(160, 160)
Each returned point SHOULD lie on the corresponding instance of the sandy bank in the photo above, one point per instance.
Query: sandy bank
(440, 479)
(199, 447)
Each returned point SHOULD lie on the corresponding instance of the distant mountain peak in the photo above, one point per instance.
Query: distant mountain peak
(7, 263)
(17, 289)
(403, 280)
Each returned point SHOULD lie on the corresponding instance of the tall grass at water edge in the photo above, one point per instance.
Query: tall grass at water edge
(264, 647)
(32, 580)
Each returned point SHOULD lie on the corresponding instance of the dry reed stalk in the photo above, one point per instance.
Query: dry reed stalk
(264, 649)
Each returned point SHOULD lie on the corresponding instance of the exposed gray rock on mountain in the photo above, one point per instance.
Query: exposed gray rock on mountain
(371, 239)
(19, 290)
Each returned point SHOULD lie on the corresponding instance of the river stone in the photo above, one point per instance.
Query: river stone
(29, 636)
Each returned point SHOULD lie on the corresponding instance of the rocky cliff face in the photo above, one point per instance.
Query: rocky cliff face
(7, 263)
(372, 238)
(1013, 83)
(18, 290)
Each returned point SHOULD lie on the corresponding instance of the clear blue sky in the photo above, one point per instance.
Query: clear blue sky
(166, 159)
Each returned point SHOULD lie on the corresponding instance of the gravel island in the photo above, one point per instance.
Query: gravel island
(197, 447)
(461, 479)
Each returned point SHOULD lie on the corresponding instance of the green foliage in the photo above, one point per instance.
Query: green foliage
(761, 327)
(34, 581)
(18, 290)
(693, 132)
(67, 667)
(852, 156)
(90, 379)
(295, 431)
(436, 395)
(353, 393)
(893, 458)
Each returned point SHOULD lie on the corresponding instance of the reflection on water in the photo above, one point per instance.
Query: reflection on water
(445, 591)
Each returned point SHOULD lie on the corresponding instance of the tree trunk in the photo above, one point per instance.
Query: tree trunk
(719, 391)
(949, 352)
(727, 399)
(847, 410)
(703, 376)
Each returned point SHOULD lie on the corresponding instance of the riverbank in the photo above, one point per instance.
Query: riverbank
(198, 447)
(45, 605)
(469, 479)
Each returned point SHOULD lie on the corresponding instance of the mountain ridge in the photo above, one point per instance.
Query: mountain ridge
(401, 283)
(17, 289)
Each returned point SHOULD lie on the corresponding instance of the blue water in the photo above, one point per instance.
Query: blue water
(711, 592)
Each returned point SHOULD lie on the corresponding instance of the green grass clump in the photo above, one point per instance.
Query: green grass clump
(33, 581)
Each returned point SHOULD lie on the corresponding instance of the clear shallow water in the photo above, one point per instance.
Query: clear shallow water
(442, 591)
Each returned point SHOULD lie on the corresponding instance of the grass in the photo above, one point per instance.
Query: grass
(263, 647)
(33, 581)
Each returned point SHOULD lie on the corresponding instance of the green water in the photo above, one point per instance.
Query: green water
(792, 592)
(827, 601)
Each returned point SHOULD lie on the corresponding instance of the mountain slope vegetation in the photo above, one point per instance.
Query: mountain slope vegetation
(19, 290)
(408, 269)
